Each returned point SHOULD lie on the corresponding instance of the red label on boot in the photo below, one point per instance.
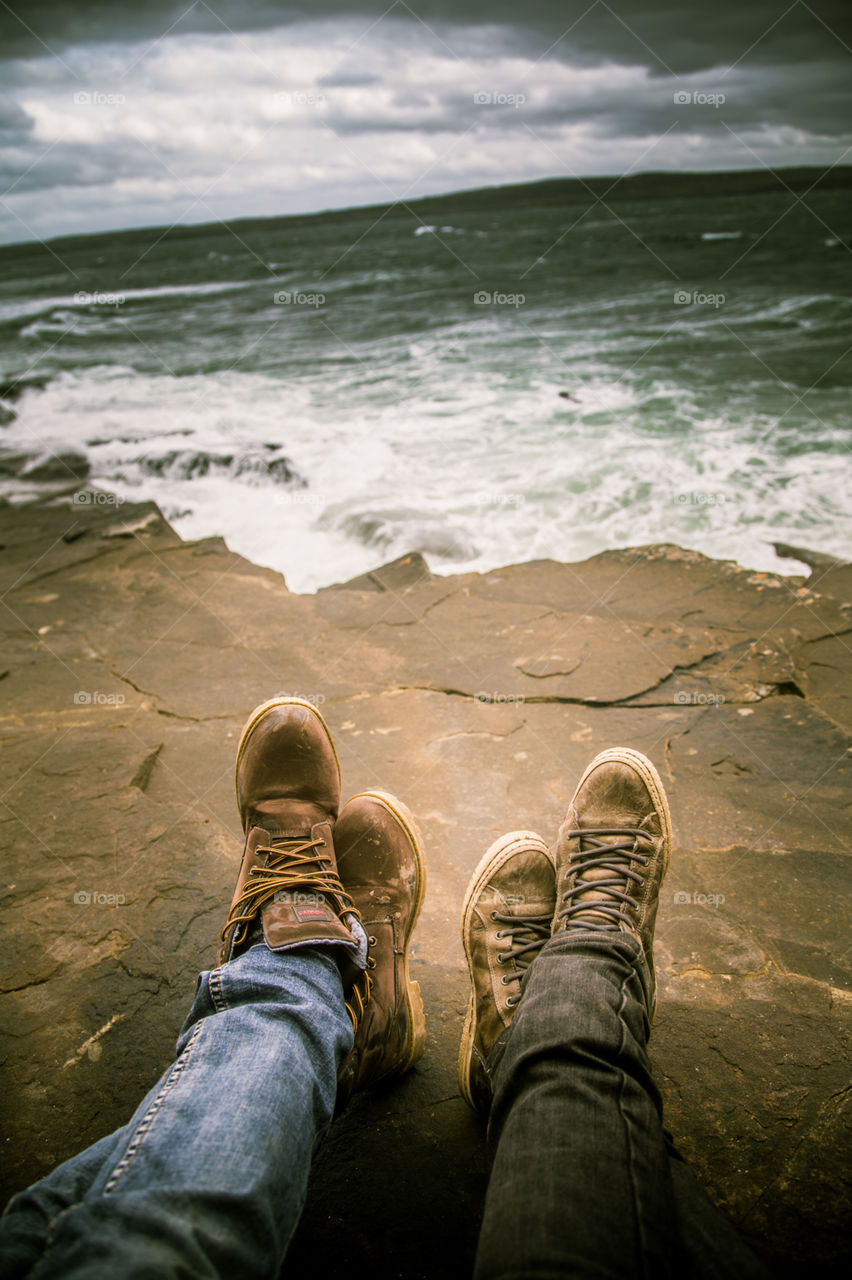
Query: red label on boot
(306, 913)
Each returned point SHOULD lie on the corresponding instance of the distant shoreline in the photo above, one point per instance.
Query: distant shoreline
(654, 185)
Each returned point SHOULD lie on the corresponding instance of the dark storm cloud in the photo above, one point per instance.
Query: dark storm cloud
(640, 110)
(13, 118)
(668, 36)
(172, 111)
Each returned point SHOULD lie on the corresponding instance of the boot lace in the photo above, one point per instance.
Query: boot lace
(609, 855)
(290, 865)
(359, 998)
(528, 936)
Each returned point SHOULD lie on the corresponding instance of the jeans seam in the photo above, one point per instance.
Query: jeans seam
(214, 987)
(628, 1124)
(150, 1116)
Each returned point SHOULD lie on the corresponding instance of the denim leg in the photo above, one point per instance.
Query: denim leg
(582, 1181)
(25, 1224)
(209, 1177)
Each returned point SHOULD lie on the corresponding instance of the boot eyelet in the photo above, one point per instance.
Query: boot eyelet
(371, 962)
(506, 979)
(371, 941)
(501, 958)
(493, 915)
(501, 933)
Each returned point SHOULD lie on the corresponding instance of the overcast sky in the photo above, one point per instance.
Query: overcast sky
(158, 112)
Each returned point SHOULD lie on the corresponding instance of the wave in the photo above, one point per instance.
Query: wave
(810, 311)
(111, 299)
(394, 531)
(191, 464)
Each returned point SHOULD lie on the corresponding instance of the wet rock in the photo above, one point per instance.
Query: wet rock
(189, 464)
(64, 465)
(12, 389)
(130, 665)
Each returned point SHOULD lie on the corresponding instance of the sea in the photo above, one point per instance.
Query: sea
(487, 384)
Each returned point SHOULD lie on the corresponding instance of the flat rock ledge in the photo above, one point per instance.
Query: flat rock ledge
(130, 661)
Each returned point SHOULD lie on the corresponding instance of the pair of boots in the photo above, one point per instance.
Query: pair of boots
(352, 881)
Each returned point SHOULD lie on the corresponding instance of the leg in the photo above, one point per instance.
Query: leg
(211, 1174)
(595, 1197)
(583, 1181)
(25, 1224)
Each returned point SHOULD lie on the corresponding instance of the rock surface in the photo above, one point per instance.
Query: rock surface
(130, 662)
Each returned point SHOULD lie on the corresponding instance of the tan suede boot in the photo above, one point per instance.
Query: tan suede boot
(506, 919)
(380, 861)
(613, 851)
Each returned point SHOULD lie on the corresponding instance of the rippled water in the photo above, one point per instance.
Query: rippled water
(492, 388)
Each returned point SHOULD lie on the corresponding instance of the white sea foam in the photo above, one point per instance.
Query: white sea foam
(469, 467)
(108, 300)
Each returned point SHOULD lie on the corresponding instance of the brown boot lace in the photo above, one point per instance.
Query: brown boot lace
(359, 998)
(290, 865)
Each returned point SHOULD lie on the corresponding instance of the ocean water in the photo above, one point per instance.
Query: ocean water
(491, 386)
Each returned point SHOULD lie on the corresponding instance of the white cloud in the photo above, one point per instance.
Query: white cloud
(312, 116)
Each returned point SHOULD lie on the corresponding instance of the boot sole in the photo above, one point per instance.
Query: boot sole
(493, 858)
(258, 714)
(414, 1001)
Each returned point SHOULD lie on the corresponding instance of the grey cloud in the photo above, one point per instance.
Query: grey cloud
(348, 80)
(752, 100)
(661, 34)
(14, 119)
(95, 164)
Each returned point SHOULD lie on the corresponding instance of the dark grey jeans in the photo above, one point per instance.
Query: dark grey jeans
(584, 1181)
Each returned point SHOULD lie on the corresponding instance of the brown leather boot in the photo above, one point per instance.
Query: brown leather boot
(380, 860)
(613, 851)
(288, 891)
(506, 920)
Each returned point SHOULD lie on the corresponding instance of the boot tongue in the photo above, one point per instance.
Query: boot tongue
(301, 914)
(277, 837)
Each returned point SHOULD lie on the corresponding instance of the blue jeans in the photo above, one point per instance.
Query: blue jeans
(584, 1179)
(209, 1177)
